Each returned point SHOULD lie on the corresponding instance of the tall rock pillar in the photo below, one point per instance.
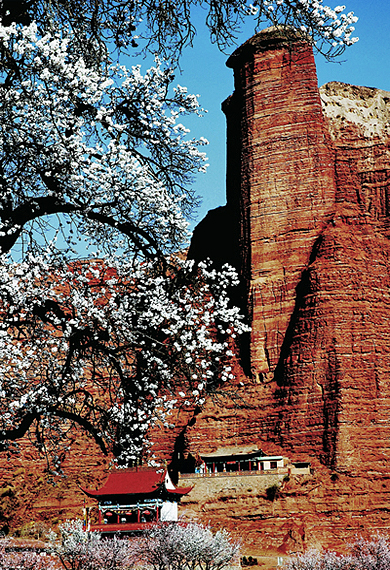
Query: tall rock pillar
(280, 179)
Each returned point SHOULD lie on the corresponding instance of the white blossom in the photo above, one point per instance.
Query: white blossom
(107, 342)
(189, 546)
(328, 29)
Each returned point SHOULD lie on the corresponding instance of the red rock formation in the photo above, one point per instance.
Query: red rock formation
(312, 189)
(28, 493)
(313, 197)
(287, 183)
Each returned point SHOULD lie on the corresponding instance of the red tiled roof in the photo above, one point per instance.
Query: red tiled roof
(128, 483)
(133, 483)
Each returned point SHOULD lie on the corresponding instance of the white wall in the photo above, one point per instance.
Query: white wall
(169, 512)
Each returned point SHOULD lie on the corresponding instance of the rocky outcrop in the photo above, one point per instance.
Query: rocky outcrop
(310, 179)
(312, 190)
(323, 510)
(30, 494)
(359, 124)
(287, 183)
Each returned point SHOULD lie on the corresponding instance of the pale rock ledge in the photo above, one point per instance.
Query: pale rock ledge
(366, 107)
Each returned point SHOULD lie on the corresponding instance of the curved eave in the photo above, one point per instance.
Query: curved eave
(180, 491)
(92, 493)
(98, 494)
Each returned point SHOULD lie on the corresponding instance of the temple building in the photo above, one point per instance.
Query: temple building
(255, 461)
(238, 459)
(231, 459)
(130, 501)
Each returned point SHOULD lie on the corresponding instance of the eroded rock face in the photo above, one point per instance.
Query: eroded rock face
(323, 510)
(29, 494)
(359, 124)
(349, 106)
(314, 199)
(286, 187)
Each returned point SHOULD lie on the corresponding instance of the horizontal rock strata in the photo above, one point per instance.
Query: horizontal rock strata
(312, 188)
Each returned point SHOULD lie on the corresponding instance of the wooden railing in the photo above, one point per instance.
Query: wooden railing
(277, 471)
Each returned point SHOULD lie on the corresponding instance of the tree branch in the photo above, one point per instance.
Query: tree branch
(84, 423)
(131, 231)
(18, 432)
(25, 424)
(15, 221)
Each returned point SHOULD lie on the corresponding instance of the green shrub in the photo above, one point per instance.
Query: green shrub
(272, 492)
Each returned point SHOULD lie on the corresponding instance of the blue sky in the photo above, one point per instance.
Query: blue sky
(204, 72)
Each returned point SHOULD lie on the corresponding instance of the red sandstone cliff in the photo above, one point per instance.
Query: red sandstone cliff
(311, 186)
(287, 183)
(313, 197)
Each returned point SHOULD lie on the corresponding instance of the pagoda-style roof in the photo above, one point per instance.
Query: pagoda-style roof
(122, 483)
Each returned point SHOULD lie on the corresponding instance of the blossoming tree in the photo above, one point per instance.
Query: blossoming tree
(104, 325)
(106, 343)
(188, 546)
(167, 27)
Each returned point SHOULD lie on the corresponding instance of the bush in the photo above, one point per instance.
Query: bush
(315, 560)
(37, 530)
(79, 550)
(248, 561)
(23, 559)
(364, 555)
(272, 492)
(187, 547)
(372, 554)
(165, 547)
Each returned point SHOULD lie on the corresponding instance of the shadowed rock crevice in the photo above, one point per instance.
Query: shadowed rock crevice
(302, 290)
(331, 400)
(216, 238)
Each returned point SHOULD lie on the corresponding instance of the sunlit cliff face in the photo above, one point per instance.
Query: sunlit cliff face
(308, 179)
